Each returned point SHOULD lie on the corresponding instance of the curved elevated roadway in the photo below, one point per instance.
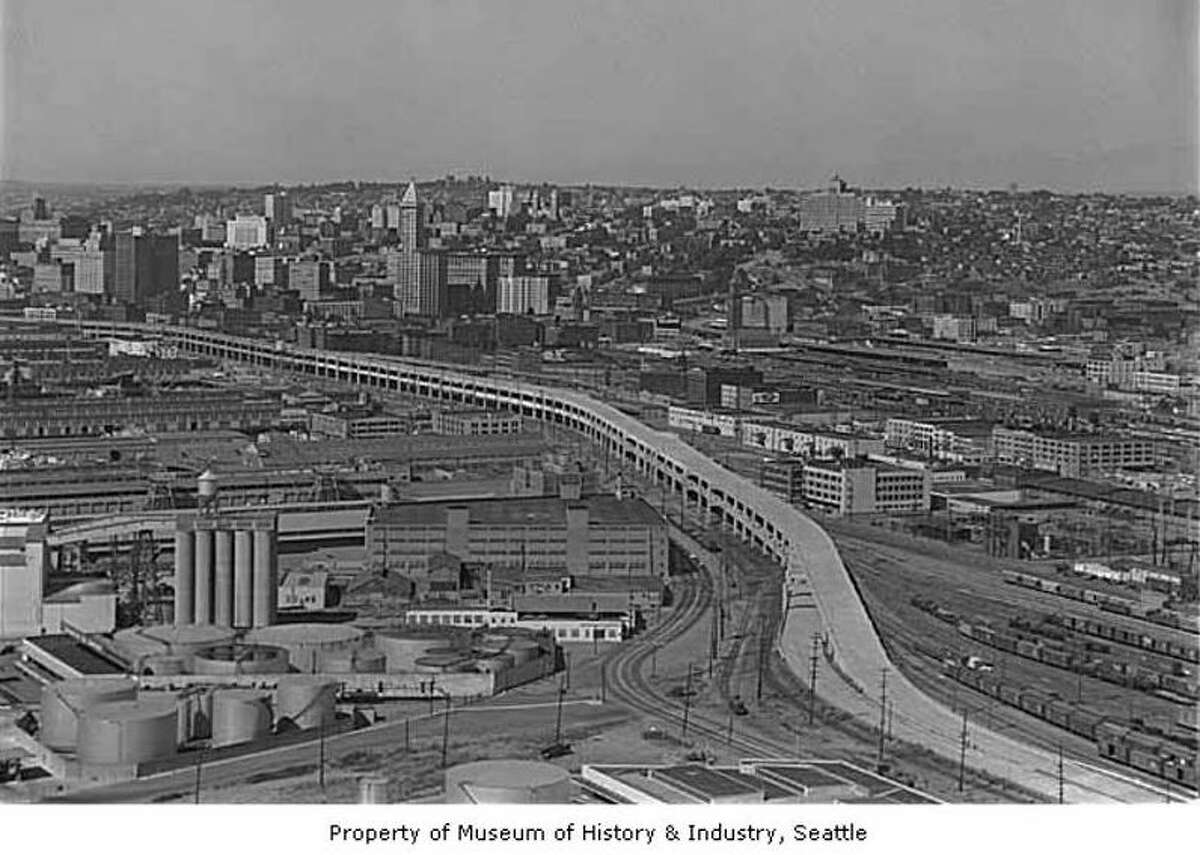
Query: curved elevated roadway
(821, 596)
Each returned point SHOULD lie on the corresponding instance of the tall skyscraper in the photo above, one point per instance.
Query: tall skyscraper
(144, 265)
(278, 209)
(408, 267)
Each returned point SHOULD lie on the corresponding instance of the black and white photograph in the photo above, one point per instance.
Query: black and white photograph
(746, 411)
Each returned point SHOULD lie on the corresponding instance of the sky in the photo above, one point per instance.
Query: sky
(1073, 95)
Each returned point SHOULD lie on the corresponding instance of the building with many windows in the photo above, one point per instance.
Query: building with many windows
(858, 487)
(24, 569)
(247, 231)
(475, 422)
(1071, 454)
(523, 295)
(598, 535)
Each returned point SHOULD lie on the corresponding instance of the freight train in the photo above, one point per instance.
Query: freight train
(1166, 752)
(1131, 638)
(1105, 602)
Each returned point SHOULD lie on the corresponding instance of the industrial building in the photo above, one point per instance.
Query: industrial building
(226, 570)
(24, 568)
(594, 536)
(858, 487)
(475, 423)
(1072, 454)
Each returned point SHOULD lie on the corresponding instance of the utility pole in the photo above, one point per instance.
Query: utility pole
(962, 753)
(199, 763)
(558, 716)
(321, 754)
(407, 742)
(603, 684)
(729, 727)
(654, 660)
(762, 657)
(446, 730)
(1060, 774)
(687, 700)
(882, 714)
(812, 680)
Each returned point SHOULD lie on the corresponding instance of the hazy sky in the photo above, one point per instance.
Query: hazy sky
(1069, 94)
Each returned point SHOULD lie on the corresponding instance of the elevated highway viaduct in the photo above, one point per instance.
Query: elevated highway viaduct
(819, 594)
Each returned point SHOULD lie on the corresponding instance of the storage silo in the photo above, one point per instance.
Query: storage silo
(369, 662)
(374, 790)
(223, 580)
(508, 782)
(243, 578)
(494, 664)
(266, 576)
(304, 701)
(233, 659)
(195, 714)
(129, 732)
(440, 663)
(185, 575)
(186, 640)
(65, 701)
(307, 642)
(204, 576)
(240, 715)
(401, 651)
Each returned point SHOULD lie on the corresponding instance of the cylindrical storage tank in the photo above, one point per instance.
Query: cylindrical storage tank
(523, 650)
(508, 782)
(195, 714)
(203, 599)
(185, 577)
(240, 715)
(186, 640)
(243, 579)
(336, 662)
(64, 702)
(369, 662)
(266, 581)
(494, 664)
(440, 663)
(401, 652)
(230, 659)
(223, 580)
(374, 790)
(495, 639)
(129, 732)
(305, 701)
(307, 642)
(163, 666)
(444, 650)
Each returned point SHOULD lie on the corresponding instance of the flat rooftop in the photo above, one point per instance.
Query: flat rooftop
(73, 654)
(531, 511)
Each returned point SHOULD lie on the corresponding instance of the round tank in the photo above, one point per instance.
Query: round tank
(195, 715)
(227, 659)
(444, 650)
(128, 732)
(305, 701)
(522, 650)
(64, 702)
(186, 640)
(207, 484)
(306, 642)
(240, 715)
(133, 644)
(401, 651)
(163, 665)
(493, 664)
(336, 662)
(495, 639)
(369, 662)
(508, 782)
(440, 663)
(374, 790)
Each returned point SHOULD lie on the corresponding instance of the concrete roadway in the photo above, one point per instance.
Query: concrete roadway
(856, 649)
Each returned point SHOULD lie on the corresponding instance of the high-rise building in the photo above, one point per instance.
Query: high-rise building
(247, 231)
(501, 201)
(277, 207)
(87, 258)
(310, 278)
(520, 295)
(418, 276)
(144, 265)
(24, 568)
(832, 212)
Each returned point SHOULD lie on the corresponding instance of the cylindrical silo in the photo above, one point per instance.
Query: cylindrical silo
(494, 664)
(508, 782)
(204, 576)
(129, 732)
(402, 651)
(440, 663)
(374, 790)
(240, 715)
(304, 701)
(185, 577)
(306, 643)
(223, 580)
(195, 715)
(232, 659)
(65, 701)
(243, 578)
(266, 584)
(369, 662)
(336, 662)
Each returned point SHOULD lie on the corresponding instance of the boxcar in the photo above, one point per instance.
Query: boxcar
(1057, 712)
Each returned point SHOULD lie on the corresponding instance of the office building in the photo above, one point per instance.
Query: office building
(523, 295)
(53, 277)
(854, 486)
(1072, 454)
(832, 212)
(270, 271)
(310, 278)
(418, 276)
(502, 200)
(880, 216)
(24, 569)
(594, 536)
(247, 231)
(784, 476)
(704, 384)
(277, 207)
(475, 422)
(144, 265)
